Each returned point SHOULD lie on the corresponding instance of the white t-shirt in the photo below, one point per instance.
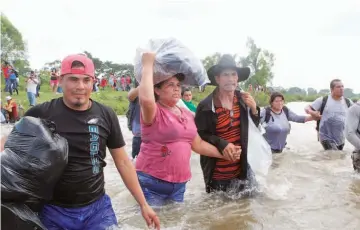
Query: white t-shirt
(2, 118)
(31, 86)
(181, 104)
(332, 123)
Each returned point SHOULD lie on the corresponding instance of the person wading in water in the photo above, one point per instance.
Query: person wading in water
(276, 120)
(222, 120)
(168, 135)
(352, 132)
(79, 199)
(332, 111)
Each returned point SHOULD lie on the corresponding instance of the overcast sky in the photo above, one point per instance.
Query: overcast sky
(313, 41)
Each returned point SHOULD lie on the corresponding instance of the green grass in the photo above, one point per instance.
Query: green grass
(117, 100)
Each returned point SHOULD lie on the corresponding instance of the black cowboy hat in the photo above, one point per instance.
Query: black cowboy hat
(227, 62)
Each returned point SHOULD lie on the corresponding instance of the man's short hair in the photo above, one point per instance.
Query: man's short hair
(333, 82)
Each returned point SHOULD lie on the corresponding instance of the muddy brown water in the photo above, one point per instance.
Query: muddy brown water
(306, 188)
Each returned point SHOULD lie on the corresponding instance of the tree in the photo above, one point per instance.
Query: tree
(55, 64)
(296, 91)
(311, 91)
(212, 60)
(260, 61)
(349, 93)
(324, 91)
(101, 67)
(13, 47)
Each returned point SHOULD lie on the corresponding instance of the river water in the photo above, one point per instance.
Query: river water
(306, 188)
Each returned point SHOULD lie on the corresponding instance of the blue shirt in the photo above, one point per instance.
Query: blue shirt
(12, 76)
(136, 127)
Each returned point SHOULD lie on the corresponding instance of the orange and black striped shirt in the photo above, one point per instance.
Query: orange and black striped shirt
(228, 128)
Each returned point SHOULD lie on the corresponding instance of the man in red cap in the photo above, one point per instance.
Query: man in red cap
(79, 199)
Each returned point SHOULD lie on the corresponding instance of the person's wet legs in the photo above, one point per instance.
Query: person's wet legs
(355, 157)
(31, 98)
(158, 192)
(330, 145)
(99, 215)
(247, 187)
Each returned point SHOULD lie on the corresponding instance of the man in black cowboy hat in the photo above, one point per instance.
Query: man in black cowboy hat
(222, 120)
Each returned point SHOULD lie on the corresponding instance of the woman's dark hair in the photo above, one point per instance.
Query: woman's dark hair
(274, 95)
(185, 89)
(158, 85)
(179, 76)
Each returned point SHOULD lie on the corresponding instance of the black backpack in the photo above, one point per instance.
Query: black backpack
(130, 113)
(268, 113)
(323, 104)
(16, 74)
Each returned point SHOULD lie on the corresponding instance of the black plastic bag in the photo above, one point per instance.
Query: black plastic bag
(32, 162)
(19, 217)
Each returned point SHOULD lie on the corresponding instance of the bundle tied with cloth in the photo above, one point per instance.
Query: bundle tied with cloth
(171, 58)
(32, 162)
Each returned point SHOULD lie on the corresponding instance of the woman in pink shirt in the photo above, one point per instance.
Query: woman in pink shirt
(169, 135)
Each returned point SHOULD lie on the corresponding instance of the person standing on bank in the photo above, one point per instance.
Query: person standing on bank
(79, 198)
(222, 120)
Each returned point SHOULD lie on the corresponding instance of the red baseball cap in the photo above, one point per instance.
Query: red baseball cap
(66, 64)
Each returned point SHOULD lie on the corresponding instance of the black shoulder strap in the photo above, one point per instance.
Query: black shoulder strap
(323, 104)
(267, 114)
(348, 102)
(286, 111)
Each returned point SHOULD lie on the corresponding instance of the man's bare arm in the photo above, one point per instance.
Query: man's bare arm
(133, 94)
(2, 143)
(128, 174)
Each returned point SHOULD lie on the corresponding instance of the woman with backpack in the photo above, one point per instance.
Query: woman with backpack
(275, 119)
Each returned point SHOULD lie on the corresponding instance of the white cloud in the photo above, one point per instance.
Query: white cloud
(314, 41)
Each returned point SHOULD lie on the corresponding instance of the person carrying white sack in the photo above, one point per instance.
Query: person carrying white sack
(168, 132)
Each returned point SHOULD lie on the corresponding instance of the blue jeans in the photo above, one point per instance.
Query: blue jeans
(158, 192)
(7, 84)
(31, 98)
(136, 142)
(97, 216)
(13, 86)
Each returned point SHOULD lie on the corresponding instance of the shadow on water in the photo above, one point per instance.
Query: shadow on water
(306, 188)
